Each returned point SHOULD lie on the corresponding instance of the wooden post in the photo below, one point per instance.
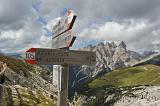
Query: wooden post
(63, 94)
(62, 98)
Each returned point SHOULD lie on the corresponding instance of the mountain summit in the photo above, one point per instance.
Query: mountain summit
(111, 56)
(122, 45)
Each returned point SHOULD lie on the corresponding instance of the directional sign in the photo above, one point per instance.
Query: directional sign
(30, 56)
(57, 77)
(61, 57)
(65, 23)
(64, 40)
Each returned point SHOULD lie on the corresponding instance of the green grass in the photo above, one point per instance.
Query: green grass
(125, 79)
(17, 65)
(28, 97)
(139, 75)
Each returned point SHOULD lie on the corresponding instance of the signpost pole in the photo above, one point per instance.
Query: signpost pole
(63, 94)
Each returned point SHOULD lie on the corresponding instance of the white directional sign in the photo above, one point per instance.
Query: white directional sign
(57, 77)
(61, 57)
(64, 40)
(65, 23)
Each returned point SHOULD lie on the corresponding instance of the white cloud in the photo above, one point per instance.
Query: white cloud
(137, 34)
(114, 31)
(134, 21)
(52, 22)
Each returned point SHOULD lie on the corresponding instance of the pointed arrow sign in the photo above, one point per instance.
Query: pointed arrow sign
(59, 57)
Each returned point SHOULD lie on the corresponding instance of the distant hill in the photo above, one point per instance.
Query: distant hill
(15, 55)
(138, 75)
(154, 60)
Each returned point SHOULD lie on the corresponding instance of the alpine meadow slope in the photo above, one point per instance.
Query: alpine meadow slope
(124, 86)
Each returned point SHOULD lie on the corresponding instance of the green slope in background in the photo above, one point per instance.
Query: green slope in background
(138, 75)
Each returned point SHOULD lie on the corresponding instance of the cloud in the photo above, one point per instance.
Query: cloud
(13, 13)
(28, 23)
(132, 21)
(30, 35)
(139, 35)
(24, 30)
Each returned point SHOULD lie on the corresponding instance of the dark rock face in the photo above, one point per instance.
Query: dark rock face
(122, 45)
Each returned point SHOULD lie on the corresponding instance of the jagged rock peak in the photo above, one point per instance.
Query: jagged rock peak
(101, 44)
(113, 44)
(88, 47)
(108, 44)
(122, 45)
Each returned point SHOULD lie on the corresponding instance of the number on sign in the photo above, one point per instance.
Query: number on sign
(30, 55)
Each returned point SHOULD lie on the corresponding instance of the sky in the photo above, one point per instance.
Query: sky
(28, 23)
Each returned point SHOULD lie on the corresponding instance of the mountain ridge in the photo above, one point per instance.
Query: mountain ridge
(109, 56)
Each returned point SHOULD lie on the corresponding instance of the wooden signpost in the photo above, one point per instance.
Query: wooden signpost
(60, 56)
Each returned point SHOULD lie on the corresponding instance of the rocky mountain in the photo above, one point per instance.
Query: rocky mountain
(109, 56)
(26, 84)
(124, 96)
(146, 96)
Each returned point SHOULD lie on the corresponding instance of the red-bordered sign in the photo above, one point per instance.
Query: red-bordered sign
(30, 56)
(59, 57)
